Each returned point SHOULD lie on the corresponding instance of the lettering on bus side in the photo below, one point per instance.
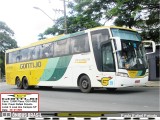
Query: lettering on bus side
(30, 65)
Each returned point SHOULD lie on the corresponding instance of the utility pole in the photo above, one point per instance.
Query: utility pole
(65, 17)
(57, 10)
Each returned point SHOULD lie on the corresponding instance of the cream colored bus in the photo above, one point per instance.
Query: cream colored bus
(102, 57)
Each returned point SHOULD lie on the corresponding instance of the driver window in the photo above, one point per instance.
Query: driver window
(108, 60)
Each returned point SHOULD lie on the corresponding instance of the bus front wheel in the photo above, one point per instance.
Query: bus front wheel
(19, 83)
(25, 83)
(85, 84)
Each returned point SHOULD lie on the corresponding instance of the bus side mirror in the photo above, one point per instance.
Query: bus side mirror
(117, 43)
(149, 44)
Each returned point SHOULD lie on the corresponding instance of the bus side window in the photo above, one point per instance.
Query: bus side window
(19, 56)
(34, 53)
(7, 58)
(12, 57)
(24, 53)
(87, 48)
(79, 44)
(47, 50)
(61, 47)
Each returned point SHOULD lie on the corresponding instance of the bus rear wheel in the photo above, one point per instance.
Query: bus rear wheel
(19, 83)
(25, 83)
(85, 84)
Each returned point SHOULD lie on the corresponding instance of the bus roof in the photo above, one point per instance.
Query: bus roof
(63, 36)
(103, 27)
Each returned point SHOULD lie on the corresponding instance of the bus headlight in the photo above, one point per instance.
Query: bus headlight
(122, 74)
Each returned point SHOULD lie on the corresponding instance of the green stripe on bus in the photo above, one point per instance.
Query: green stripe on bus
(61, 68)
(49, 69)
(141, 72)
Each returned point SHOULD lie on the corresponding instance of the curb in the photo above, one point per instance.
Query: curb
(153, 84)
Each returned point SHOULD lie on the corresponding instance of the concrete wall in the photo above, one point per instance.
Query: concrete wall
(153, 65)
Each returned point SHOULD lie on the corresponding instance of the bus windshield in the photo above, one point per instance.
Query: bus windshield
(126, 34)
(132, 56)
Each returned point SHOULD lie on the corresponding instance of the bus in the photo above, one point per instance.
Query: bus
(107, 57)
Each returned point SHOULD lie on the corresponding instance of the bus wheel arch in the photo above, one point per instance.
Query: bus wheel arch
(78, 80)
(25, 83)
(84, 83)
(18, 82)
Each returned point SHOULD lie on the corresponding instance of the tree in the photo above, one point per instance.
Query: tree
(142, 14)
(95, 9)
(41, 36)
(6, 42)
(75, 21)
(74, 24)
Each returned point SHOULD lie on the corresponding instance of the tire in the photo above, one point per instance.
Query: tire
(111, 89)
(85, 84)
(25, 83)
(19, 83)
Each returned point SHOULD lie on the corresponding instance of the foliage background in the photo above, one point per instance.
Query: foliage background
(6, 42)
(142, 15)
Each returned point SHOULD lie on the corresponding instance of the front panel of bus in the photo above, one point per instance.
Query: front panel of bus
(127, 67)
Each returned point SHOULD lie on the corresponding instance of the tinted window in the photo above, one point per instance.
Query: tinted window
(98, 38)
(74, 45)
(79, 44)
(126, 34)
(7, 58)
(47, 50)
(12, 57)
(107, 58)
(25, 54)
(34, 52)
(61, 47)
(18, 56)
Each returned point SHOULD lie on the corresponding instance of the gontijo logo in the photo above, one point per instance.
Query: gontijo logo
(30, 65)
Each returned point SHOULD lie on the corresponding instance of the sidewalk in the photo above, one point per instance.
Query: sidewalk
(153, 84)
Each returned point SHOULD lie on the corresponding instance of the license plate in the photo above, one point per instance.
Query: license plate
(137, 81)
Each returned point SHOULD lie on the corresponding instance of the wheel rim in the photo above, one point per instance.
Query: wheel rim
(85, 84)
(18, 83)
(25, 84)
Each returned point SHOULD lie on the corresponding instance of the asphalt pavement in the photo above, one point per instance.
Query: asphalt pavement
(148, 84)
(72, 99)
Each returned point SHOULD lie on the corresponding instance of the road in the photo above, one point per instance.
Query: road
(124, 99)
